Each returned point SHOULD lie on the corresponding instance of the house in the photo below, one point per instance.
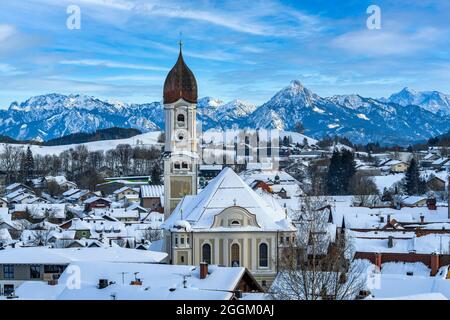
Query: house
(119, 214)
(435, 183)
(440, 163)
(126, 191)
(96, 202)
(17, 186)
(62, 182)
(45, 265)
(395, 166)
(137, 281)
(404, 281)
(414, 201)
(37, 212)
(228, 224)
(4, 203)
(432, 250)
(152, 197)
(81, 228)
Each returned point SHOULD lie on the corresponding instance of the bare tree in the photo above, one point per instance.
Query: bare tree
(9, 161)
(317, 264)
(152, 235)
(365, 190)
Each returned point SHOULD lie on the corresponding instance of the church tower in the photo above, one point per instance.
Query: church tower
(180, 156)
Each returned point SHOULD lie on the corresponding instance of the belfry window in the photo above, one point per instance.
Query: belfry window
(263, 255)
(181, 120)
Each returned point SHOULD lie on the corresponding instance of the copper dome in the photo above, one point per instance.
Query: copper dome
(180, 83)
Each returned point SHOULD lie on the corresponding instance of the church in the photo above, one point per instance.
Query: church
(227, 223)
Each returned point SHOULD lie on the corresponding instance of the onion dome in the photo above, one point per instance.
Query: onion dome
(180, 83)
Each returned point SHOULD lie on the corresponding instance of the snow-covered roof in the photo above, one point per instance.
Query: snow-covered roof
(118, 213)
(225, 191)
(95, 198)
(152, 191)
(45, 255)
(39, 210)
(125, 189)
(431, 243)
(394, 283)
(159, 282)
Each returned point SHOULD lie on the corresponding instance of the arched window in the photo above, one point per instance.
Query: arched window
(263, 255)
(235, 223)
(184, 165)
(176, 165)
(206, 253)
(180, 117)
(181, 120)
(235, 255)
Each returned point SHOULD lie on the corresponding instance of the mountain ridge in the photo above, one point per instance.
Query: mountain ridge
(396, 119)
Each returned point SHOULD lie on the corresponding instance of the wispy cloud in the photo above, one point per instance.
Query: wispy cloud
(111, 64)
(386, 42)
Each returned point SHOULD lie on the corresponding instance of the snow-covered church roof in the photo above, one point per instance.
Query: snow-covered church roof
(225, 191)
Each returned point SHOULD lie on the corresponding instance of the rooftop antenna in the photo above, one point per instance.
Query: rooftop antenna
(123, 276)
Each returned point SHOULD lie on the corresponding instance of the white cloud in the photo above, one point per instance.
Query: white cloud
(6, 32)
(381, 42)
(110, 64)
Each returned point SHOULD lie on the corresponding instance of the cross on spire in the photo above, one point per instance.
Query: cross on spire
(180, 42)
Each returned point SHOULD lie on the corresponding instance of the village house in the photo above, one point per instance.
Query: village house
(123, 192)
(96, 202)
(146, 281)
(152, 197)
(45, 265)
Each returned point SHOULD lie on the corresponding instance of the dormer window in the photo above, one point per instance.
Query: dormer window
(235, 223)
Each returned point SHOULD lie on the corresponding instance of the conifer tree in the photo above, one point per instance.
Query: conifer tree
(412, 178)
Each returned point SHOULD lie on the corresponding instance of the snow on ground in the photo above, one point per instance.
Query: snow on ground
(145, 139)
(387, 181)
(417, 268)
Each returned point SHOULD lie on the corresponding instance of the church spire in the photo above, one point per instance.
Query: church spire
(180, 82)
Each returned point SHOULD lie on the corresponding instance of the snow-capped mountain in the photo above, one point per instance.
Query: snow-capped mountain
(360, 119)
(433, 101)
(393, 120)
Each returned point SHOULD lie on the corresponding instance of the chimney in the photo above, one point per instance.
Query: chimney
(434, 264)
(378, 260)
(203, 270)
(52, 282)
(431, 203)
(390, 242)
(102, 283)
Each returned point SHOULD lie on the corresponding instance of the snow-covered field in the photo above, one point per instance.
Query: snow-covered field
(148, 139)
(145, 139)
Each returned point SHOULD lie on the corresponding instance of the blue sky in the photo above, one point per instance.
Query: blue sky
(237, 49)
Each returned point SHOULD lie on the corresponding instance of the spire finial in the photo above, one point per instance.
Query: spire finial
(180, 42)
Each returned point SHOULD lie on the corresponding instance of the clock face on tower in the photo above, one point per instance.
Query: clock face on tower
(181, 137)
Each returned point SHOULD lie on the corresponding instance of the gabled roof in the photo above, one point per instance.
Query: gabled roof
(152, 191)
(225, 191)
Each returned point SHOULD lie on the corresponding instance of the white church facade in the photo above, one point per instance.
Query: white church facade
(226, 223)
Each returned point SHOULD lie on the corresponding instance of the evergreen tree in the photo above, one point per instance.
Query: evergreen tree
(412, 178)
(26, 165)
(340, 172)
(156, 174)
